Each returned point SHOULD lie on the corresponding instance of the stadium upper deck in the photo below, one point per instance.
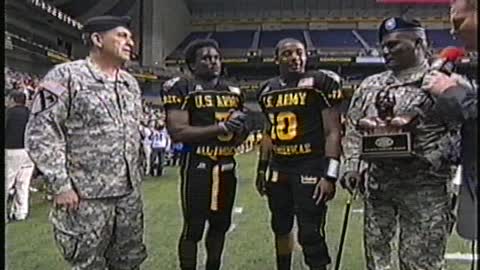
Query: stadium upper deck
(241, 42)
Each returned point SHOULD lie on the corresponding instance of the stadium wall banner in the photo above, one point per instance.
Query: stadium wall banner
(34, 47)
(149, 77)
(369, 60)
(55, 57)
(174, 62)
(235, 60)
(332, 59)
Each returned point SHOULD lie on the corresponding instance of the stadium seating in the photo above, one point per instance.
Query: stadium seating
(234, 39)
(370, 36)
(441, 39)
(192, 36)
(268, 39)
(337, 38)
(237, 43)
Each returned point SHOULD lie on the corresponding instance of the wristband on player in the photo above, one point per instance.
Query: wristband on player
(331, 170)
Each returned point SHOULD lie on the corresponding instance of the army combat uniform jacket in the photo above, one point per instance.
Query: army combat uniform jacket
(435, 142)
(84, 130)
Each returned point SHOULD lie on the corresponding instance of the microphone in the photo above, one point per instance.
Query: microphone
(447, 59)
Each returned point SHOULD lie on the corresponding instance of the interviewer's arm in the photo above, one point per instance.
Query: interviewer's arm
(456, 97)
(458, 103)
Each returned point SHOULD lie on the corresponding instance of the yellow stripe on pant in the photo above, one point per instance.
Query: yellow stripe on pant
(215, 188)
(183, 181)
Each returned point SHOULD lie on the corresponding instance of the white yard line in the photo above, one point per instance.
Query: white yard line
(460, 257)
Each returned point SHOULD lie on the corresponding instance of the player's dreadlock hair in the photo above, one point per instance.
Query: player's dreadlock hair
(192, 48)
(284, 41)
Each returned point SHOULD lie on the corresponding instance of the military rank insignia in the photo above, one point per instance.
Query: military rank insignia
(47, 96)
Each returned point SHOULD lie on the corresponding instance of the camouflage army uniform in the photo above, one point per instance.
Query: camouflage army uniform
(84, 134)
(414, 191)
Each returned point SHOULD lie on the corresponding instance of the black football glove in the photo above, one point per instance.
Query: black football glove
(235, 123)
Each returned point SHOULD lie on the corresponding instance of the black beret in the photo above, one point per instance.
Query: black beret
(398, 24)
(192, 48)
(105, 23)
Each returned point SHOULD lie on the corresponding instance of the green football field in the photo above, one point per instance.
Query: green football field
(249, 246)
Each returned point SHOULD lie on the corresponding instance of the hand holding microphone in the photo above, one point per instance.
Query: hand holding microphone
(441, 77)
(439, 82)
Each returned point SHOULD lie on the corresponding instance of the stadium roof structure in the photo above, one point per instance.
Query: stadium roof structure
(81, 10)
(218, 8)
(214, 9)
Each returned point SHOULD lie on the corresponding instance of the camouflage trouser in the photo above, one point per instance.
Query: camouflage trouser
(422, 215)
(102, 233)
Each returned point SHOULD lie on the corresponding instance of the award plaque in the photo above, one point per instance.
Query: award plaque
(395, 145)
(386, 135)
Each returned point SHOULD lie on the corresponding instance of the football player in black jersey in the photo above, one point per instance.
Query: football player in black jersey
(301, 150)
(206, 115)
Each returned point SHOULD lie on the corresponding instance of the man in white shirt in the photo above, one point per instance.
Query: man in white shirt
(160, 144)
(147, 145)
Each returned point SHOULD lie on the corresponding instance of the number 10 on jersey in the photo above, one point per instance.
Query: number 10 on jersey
(284, 126)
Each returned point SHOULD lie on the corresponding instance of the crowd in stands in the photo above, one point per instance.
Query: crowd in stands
(20, 81)
(157, 149)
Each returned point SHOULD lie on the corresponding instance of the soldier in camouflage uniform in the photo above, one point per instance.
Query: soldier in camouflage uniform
(407, 193)
(84, 136)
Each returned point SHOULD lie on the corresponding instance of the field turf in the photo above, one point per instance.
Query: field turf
(30, 244)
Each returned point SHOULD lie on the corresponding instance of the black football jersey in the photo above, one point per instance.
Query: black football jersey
(293, 110)
(205, 107)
